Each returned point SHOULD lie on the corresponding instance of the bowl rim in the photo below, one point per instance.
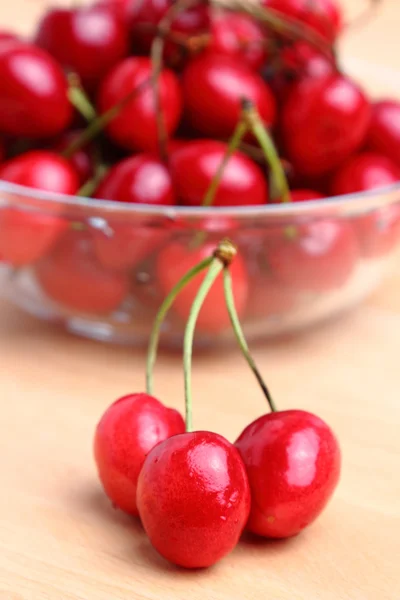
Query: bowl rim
(358, 202)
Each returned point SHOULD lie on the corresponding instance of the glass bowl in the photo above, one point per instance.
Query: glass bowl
(97, 265)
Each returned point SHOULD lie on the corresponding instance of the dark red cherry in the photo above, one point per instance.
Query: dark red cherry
(304, 195)
(129, 429)
(193, 498)
(71, 276)
(384, 130)
(293, 463)
(135, 127)
(194, 165)
(241, 37)
(324, 16)
(324, 121)
(88, 40)
(33, 94)
(175, 260)
(192, 22)
(319, 256)
(81, 160)
(213, 86)
(366, 171)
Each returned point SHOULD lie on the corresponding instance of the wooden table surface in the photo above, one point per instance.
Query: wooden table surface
(59, 538)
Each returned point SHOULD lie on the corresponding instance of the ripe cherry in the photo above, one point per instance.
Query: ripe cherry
(379, 231)
(293, 463)
(213, 86)
(323, 16)
(194, 165)
(128, 430)
(33, 97)
(241, 37)
(135, 127)
(86, 40)
(320, 256)
(71, 276)
(193, 498)
(302, 195)
(324, 121)
(384, 131)
(175, 260)
(81, 160)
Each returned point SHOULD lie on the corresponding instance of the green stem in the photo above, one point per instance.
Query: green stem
(238, 135)
(237, 328)
(81, 102)
(166, 305)
(213, 272)
(90, 186)
(280, 184)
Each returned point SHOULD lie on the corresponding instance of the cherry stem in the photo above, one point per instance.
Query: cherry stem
(237, 328)
(90, 186)
(234, 142)
(162, 312)
(79, 99)
(213, 272)
(280, 187)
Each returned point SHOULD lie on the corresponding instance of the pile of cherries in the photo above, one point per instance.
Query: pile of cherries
(136, 101)
(194, 491)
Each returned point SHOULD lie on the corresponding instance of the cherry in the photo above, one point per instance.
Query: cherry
(81, 160)
(293, 463)
(33, 97)
(2, 150)
(135, 127)
(320, 256)
(194, 165)
(193, 498)
(324, 121)
(366, 171)
(191, 22)
(303, 195)
(128, 430)
(8, 36)
(240, 37)
(175, 260)
(323, 16)
(384, 131)
(86, 40)
(213, 86)
(71, 276)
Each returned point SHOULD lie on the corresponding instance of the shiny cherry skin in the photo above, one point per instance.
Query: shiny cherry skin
(241, 37)
(319, 256)
(175, 260)
(213, 86)
(81, 160)
(71, 276)
(87, 40)
(193, 498)
(293, 463)
(379, 231)
(324, 16)
(135, 127)
(194, 165)
(384, 131)
(33, 96)
(129, 429)
(324, 121)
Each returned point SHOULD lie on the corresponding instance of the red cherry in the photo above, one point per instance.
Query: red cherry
(324, 16)
(213, 87)
(193, 498)
(135, 127)
(240, 37)
(86, 40)
(172, 264)
(293, 462)
(128, 430)
(71, 276)
(194, 165)
(81, 160)
(366, 171)
(2, 150)
(304, 195)
(384, 131)
(324, 121)
(33, 95)
(8, 36)
(192, 22)
(320, 256)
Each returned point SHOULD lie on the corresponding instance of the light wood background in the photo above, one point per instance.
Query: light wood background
(59, 538)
